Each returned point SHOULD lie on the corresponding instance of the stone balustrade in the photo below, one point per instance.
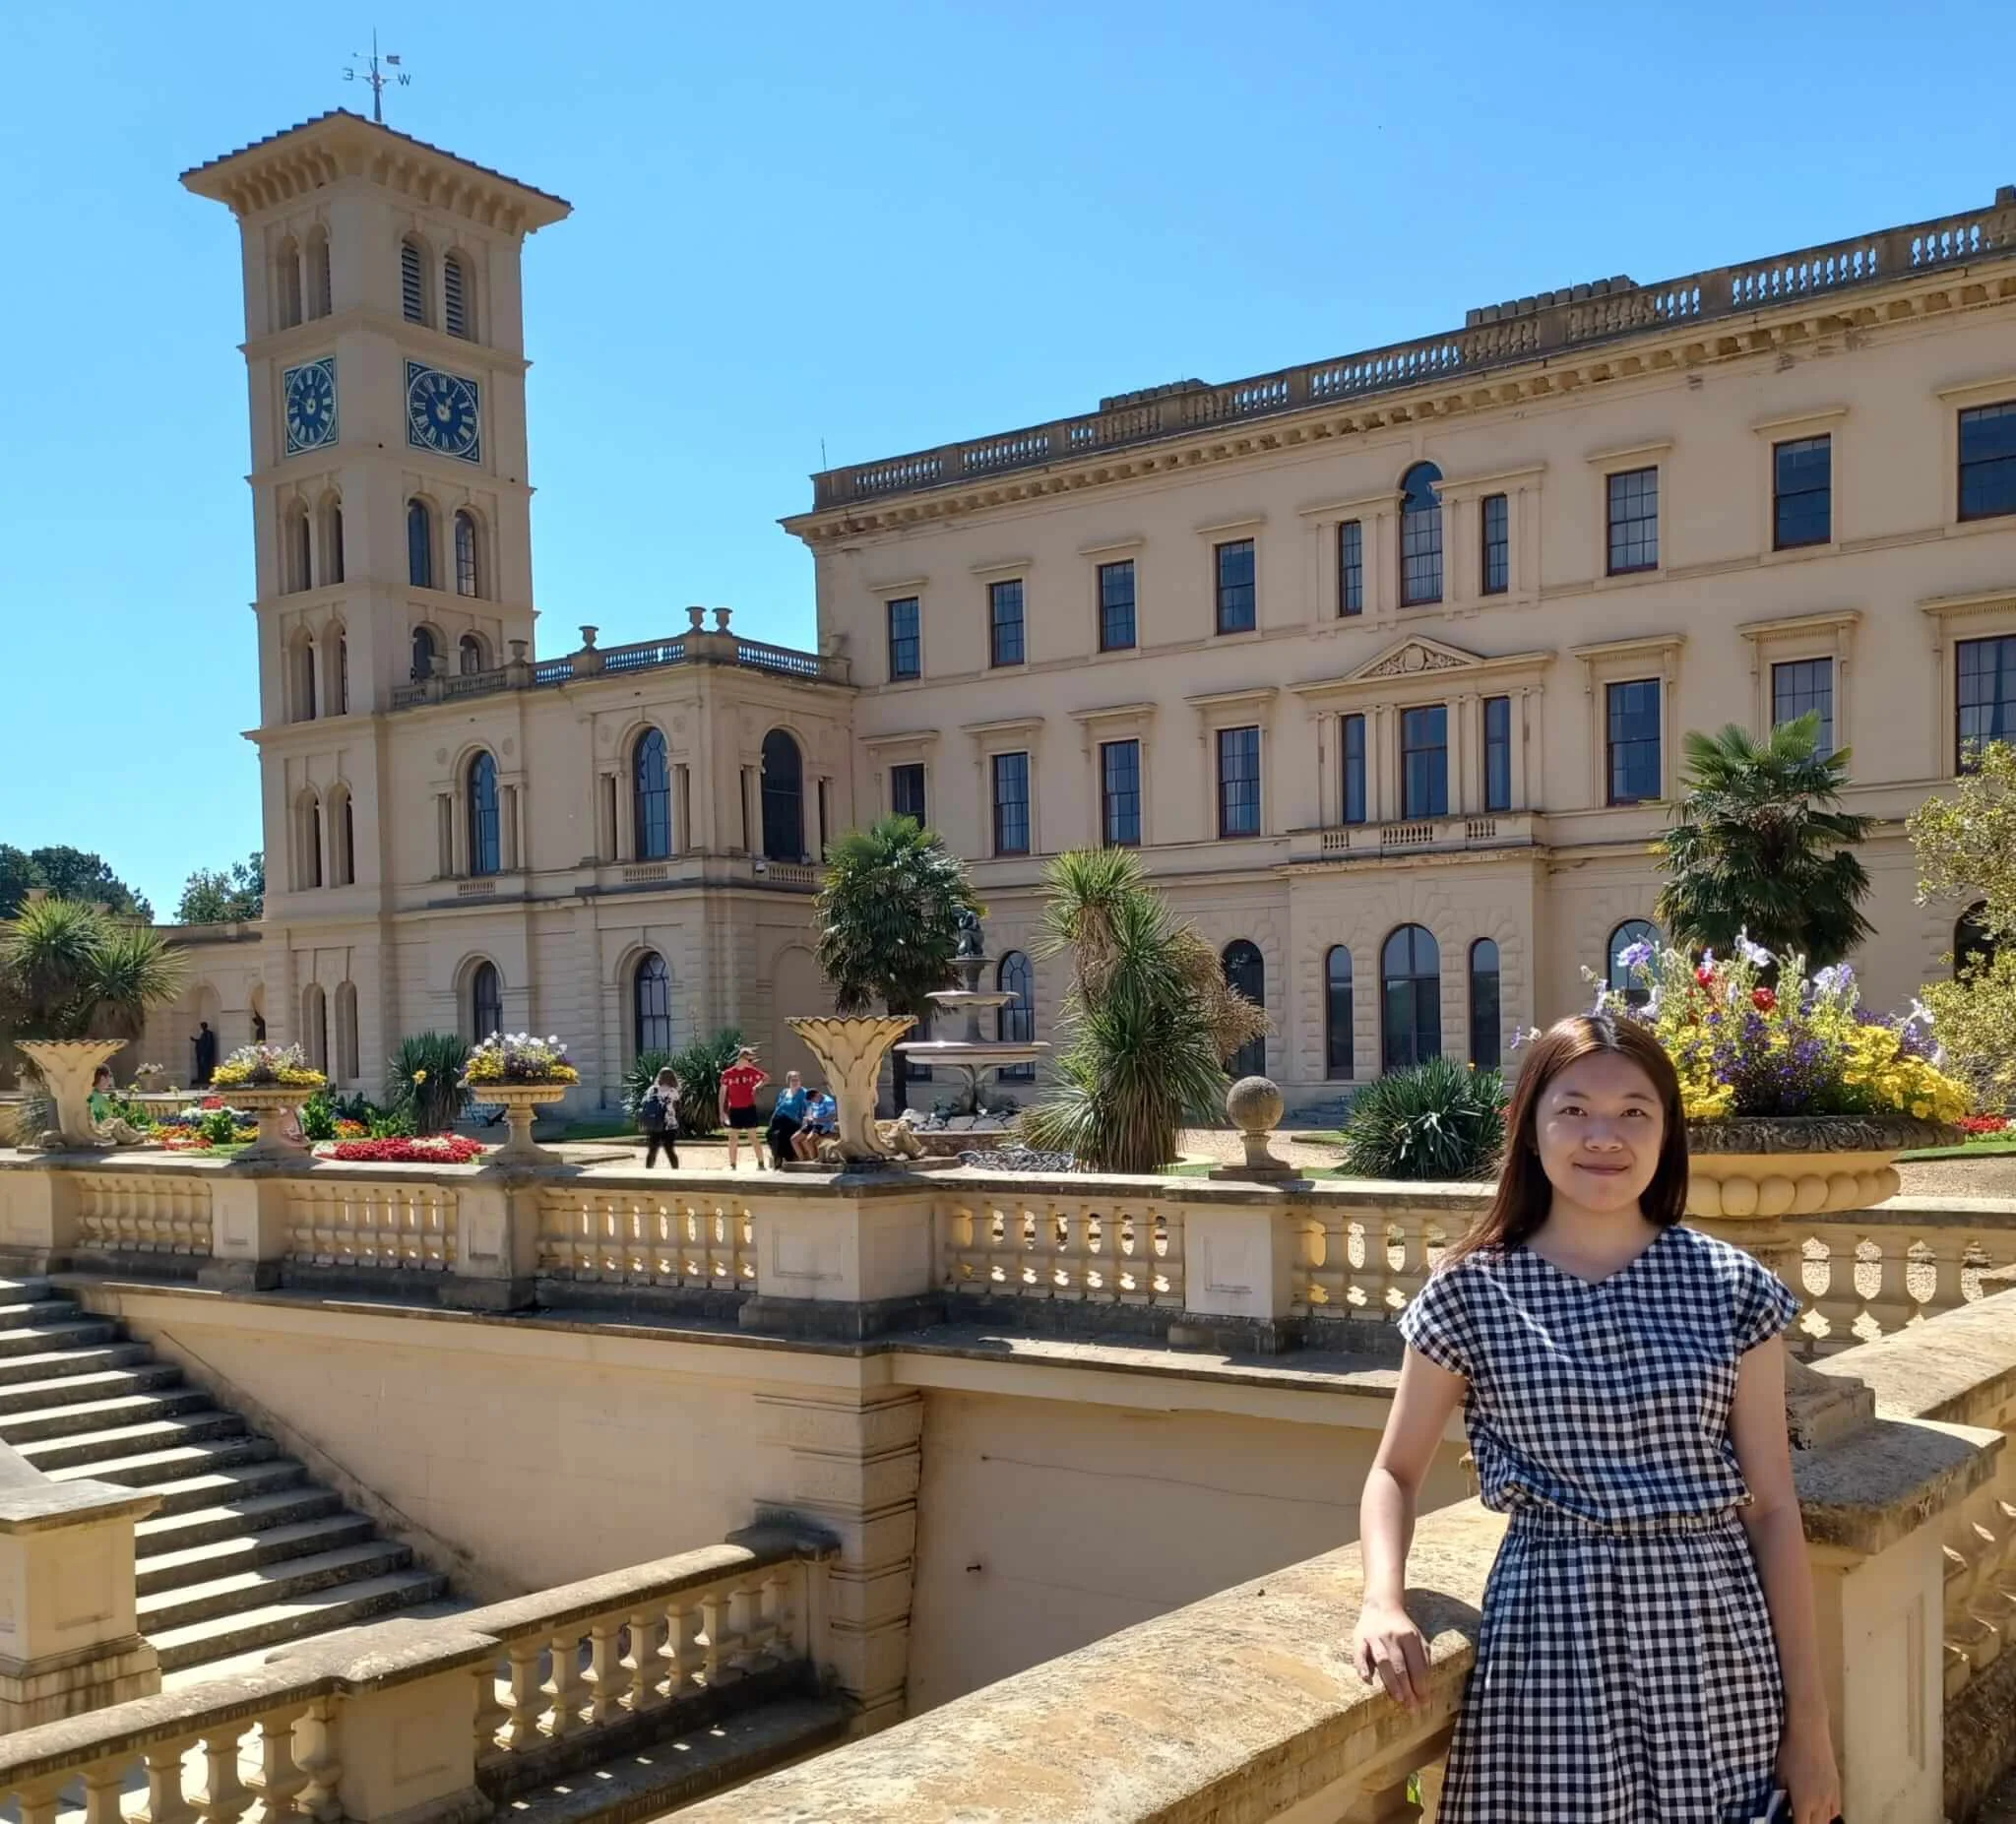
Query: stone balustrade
(1125, 1250)
(441, 1719)
(644, 1234)
(340, 1221)
(1873, 1273)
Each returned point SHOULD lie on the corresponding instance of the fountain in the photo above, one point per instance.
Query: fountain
(972, 1053)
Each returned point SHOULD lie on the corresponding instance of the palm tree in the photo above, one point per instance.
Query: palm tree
(1149, 1019)
(68, 970)
(889, 921)
(1760, 843)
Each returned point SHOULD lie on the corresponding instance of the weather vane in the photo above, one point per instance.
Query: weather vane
(376, 76)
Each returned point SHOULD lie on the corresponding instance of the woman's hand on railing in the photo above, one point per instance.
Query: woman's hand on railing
(1388, 1647)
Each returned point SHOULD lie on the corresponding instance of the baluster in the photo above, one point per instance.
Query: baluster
(608, 1672)
(37, 1801)
(1949, 1289)
(1004, 1242)
(957, 1239)
(528, 1694)
(743, 1609)
(1098, 1236)
(221, 1797)
(102, 1786)
(713, 1619)
(569, 1691)
(318, 1746)
(683, 1652)
(1412, 1272)
(1891, 1307)
(648, 1661)
(492, 1713)
(745, 1248)
(166, 1803)
(1168, 1263)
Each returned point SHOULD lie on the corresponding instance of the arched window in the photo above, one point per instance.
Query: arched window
(1483, 1004)
(468, 577)
(1410, 975)
(485, 847)
(1635, 986)
(1974, 946)
(315, 1026)
(485, 1002)
(650, 1004)
(301, 677)
(343, 869)
(423, 653)
(318, 273)
(419, 544)
(346, 1032)
(297, 555)
(1015, 1021)
(1245, 972)
(651, 796)
(336, 646)
(413, 281)
(1337, 1012)
(331, 542)
(288, 272)
(783, 799)
(469, 655)
(307, 842)
(1420, 537)
(458, 299)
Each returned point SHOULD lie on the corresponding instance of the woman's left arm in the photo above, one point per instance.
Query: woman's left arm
(1778, 1542)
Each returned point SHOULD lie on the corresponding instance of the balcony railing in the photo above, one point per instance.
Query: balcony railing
(1482, 830)
(1494, 335)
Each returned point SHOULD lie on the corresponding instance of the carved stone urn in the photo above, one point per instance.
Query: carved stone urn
(850, 1053)
(1758, 1168)
(67, 1066)
(519, 1101)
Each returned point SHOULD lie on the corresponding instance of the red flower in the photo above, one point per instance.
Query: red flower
(1763, 999)
(1705, 977)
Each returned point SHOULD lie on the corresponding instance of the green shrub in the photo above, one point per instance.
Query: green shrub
(638, 1078)
(318, 1117)
(699, 1067)
(1439, 1120)
(423, 1080)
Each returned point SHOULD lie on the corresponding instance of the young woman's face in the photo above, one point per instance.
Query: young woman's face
(1598, 1128)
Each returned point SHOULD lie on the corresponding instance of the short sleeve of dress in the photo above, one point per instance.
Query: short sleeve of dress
(1764, 1304)
(1436, 1322)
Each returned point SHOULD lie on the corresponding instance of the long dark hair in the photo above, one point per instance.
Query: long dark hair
(1524, 1195)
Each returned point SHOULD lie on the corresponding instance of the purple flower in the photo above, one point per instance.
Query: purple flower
(1634, 957)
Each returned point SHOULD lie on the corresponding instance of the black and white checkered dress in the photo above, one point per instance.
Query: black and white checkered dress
(1626, 1671)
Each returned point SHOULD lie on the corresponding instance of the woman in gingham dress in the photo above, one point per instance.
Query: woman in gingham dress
(1648, 1648)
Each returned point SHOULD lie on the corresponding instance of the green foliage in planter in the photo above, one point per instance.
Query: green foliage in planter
(1437, 1121)
(699, 1067)
(318, 1117)
(423, 1080)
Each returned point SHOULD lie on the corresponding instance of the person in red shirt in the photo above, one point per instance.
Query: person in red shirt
(739, 1086)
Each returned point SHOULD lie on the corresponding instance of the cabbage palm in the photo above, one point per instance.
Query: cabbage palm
(68, 970)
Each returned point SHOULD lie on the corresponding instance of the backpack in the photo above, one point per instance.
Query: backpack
(654, 1114)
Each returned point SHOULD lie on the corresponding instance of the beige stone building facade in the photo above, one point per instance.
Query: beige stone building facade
(1384, 662)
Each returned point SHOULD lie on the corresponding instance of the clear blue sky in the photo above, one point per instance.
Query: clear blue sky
(881, 226)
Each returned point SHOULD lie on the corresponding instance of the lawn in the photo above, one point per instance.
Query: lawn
(1987, 1145)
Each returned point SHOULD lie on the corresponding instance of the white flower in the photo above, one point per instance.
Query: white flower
(1753, 954)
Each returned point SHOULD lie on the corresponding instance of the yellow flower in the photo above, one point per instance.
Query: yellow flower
(419, 1076)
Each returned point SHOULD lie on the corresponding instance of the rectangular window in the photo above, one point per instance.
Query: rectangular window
(1987, 460)
(1986, 674)
(1354, 769)
(1116, 605)
(1424, 761)
(907, 790)
(1351, 568)
(1011, 804)
(1119, 793)
(1238, 781)
(1800, 688)
(1236, 610)
(1801, 493)
(1004, 622)
(1635, 769)
(1634, 521)
(1497, 753)
(906, 643)
(1497, 568)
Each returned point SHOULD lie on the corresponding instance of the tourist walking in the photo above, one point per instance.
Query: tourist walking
(1648, 1648)
(787, 1116)
(657, 1119)
(739, 1086)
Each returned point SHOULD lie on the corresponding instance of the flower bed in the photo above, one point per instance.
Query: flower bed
(434, 1150)
(268, 1068)
(1982, 1126)
(505, 1059)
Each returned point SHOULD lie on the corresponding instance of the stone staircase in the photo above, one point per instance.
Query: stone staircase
(244, 1552)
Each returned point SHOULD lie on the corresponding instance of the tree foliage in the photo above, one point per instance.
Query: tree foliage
(1760, 843)
(1148, 1023)
(222, 895)
(68, 970)
(65, 873)
(889, 920)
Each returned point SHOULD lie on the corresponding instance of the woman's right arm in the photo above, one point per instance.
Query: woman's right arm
(1387, 1644)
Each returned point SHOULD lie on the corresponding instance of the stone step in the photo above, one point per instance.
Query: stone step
(173, 1530)
(57, 1364)
(262, 1586)
(317, 1611)
(116, 1443)
(59, 1333)
(26, 1397)
(23, 1292)
(144, 1469)
(31, 1312)
(684, 1766)
(214, 1560)
(66, 1419)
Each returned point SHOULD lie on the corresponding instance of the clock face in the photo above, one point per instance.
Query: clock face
(442, 412)
(310, 391)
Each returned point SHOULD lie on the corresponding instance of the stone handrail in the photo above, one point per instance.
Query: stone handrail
(338, 1727)
(1126, 1249)
(1873, 1273)
(1494, 337)
(644, 1234)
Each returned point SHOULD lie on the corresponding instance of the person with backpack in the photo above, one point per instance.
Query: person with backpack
(657, 1119)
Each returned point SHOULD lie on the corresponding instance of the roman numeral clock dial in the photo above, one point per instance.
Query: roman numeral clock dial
(443, 413)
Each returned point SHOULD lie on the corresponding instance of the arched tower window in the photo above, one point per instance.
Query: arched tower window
(1338, 1020)
(470, 657)
(318, 273)
(288, 274)
(468, 570)
(485, 844)
(315, 1026)
(783, 799)
(485, 1002)
(1634, 984)
(307, 842)
(343, 870)
(419, 544)
(1015, 1021)
(1245, 972)
(1410, 981)
(458, 297)
(413, 281)
(1483, 1004)
(332, 542)
(297, 556)
(651, 796)
(346, 1032)
(425, 652)
(650, 1004)
(1420, 537)
(301, 677)
(336, 669)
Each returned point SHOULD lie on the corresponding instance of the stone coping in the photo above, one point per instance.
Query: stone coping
(1803, 1133)
(1240, 1706)
(1958, 1368)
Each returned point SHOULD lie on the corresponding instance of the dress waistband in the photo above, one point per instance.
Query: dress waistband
(1551, 1520)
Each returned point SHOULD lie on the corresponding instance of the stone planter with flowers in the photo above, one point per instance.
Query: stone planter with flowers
(272, 1083)
(519, 1074)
